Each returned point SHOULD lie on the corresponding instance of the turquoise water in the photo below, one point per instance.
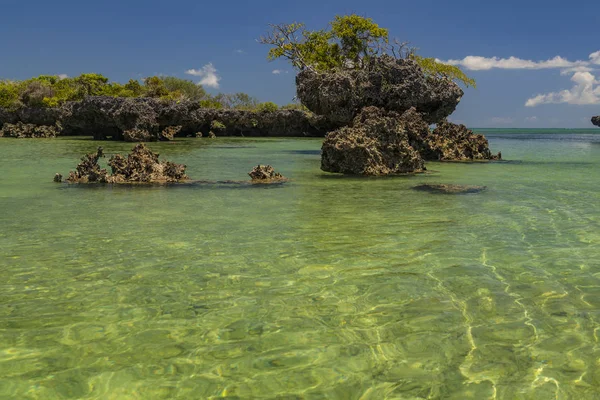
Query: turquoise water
(326, 287)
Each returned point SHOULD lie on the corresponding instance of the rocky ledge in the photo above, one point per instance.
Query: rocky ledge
(596, 120)
(140, 166)
(149, 119)
(380, 142)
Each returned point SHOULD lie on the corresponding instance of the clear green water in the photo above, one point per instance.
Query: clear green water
(323, 288)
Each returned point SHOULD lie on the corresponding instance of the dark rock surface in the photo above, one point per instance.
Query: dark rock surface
(140, 166)
(596, 120)
(376, 144)
(265, 174)
(21, 130)
(452, 142)
(388, 83)
(148, 119)
(449, 188)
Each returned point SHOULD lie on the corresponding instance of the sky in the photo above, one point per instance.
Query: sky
(536, 63)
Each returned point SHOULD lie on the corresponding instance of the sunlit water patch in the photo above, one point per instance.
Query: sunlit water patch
(324, 287)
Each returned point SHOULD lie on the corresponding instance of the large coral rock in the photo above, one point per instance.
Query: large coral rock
(386, 82)
(452, 142)
(596, 120)
(21, 130)
(140, 166)
(377, 143)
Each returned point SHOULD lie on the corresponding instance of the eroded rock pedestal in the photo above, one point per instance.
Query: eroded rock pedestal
(140, 166)
(377, 143)
(387, 108)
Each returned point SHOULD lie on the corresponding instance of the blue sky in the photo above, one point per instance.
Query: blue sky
(124, 39)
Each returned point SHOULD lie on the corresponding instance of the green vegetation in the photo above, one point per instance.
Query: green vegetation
(52, 91)
(349, 43)
(269, 106)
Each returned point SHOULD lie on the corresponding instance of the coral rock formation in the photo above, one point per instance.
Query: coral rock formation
(88, 170)
(140, 166)
(149, 119)
(265, 173)
(21, 130)
(452, 142)
(376, 144)
(386, 82)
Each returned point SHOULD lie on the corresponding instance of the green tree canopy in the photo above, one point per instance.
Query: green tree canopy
(349, 43)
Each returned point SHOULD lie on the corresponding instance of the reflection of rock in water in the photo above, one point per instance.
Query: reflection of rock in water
(449, 188)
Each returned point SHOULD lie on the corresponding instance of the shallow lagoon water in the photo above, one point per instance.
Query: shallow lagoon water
(326, 287)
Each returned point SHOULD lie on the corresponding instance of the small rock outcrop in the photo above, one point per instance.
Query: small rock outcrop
(21, 130)
(140, 166)
(265, 174)
(88, 170)
(377, 143)
(386, 82)
(452, 142)
(596, 120)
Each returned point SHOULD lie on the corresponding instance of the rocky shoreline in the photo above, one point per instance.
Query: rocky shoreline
(148, 119)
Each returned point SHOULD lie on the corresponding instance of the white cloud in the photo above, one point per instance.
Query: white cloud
(279, 71)
(477, 63)
(531, 119)
(502, 120)
(586, 90)
(208, 75)
(239, 51)
(62, 76)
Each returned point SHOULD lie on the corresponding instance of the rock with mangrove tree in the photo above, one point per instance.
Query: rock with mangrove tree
(141, 165)
(383, 94)
(158, 109)
(596, 120)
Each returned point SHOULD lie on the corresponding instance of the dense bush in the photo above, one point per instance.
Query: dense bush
(349, 43)
(52, 91)
(269, 106)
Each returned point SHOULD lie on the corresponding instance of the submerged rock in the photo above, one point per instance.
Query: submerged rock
(596, 120)
(264, 174)
(452, 142)
(377, 143)
(386, 82)
(21, 130)
(58, 177)
(140, 166)
(449, 188)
